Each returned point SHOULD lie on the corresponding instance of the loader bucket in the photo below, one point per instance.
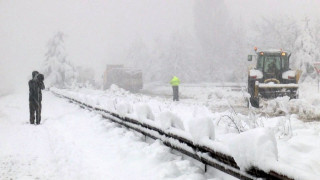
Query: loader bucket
(276, 90)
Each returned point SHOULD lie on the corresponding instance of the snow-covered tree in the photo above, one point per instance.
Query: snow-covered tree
(306, 51)
(57, 70)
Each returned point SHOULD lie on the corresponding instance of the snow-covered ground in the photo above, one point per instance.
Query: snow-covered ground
(216, 96)
(73, 143)
(283, 143)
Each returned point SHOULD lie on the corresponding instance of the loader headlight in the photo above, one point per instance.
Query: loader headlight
(261, 53)
(283, 54)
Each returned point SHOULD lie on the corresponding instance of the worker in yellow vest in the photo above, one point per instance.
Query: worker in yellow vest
(175, 87)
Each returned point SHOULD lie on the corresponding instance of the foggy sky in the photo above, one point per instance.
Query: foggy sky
(98, 32)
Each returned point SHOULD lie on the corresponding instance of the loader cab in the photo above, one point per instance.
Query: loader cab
(273, 63)
(271, 77)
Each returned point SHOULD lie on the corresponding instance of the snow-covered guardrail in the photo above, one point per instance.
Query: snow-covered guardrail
(205, 154)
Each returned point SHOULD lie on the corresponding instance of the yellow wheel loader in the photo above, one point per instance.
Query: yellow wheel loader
(272, 77)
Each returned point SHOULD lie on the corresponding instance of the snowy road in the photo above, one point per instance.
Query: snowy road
(73, 143)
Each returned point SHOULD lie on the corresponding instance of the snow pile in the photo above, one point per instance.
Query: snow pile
(201, 128)
(278, 106)
(304, 109)
(168, 119)
(143, 111)
(307, 107)
(255, 147)
(283, 105)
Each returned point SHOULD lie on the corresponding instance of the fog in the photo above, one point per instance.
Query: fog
(135, 33)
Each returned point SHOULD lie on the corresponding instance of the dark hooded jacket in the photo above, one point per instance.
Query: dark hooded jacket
(40, 79)
(35, 86)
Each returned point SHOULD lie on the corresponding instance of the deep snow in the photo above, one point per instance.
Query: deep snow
(73, 143)
(289, 147)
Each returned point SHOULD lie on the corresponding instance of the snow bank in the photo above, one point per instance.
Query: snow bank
(255, 147)
(167, 120)
(201, 128)
(143, 111)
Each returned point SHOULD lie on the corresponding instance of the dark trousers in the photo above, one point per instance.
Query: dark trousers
(175, 93)
(35, 108)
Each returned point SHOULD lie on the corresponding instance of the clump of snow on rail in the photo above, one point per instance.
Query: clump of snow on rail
(124, 108)
(168, 119)
(201, 128)
(143, 111)
(255, 147)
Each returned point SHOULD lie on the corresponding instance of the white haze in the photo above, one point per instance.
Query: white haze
(101, 32)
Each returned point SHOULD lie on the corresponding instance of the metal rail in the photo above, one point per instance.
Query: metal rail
(204, 154)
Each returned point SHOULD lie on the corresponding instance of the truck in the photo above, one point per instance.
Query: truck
(271, 76)
(127, 78)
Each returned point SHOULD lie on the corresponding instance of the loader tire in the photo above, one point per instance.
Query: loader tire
(254, 102)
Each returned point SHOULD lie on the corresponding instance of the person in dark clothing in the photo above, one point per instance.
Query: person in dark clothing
(35, 96)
